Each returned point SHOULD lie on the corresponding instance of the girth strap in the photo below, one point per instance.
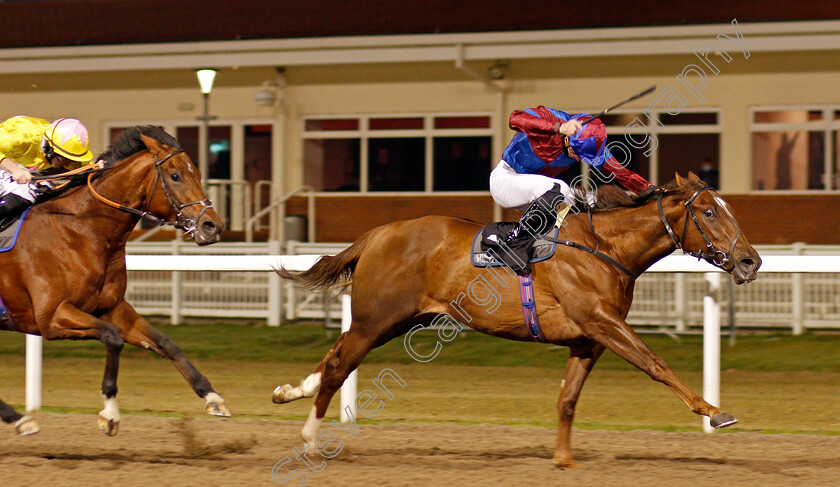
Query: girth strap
(6, 320)
(529, 309)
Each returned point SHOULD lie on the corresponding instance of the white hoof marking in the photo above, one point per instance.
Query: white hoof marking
(308, 388)
(26, 426)
(109, 418)
(215, 406)
(310, 429)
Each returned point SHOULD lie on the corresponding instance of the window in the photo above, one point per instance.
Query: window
(658, 144)
(331, 164)
(398, 153)
(396, 164)
(795, 149)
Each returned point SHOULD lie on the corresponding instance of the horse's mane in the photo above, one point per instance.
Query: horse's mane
(129, 142)
(612, 196)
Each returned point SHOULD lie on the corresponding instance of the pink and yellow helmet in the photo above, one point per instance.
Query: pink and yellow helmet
(68, 138)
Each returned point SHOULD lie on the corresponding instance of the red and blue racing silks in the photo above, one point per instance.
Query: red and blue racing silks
(537, 148)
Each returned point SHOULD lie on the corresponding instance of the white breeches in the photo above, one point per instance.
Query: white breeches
(9, 186)
(513, 190)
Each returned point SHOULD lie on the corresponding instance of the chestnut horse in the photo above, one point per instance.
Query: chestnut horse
(411, 272)
(66, 277)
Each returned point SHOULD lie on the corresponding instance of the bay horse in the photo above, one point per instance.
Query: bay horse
(411, 272)
(66, 277)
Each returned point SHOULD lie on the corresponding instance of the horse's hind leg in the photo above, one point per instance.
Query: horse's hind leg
(617, 336)
(310, 385)
(344, 357)
(581, 361)
(24, 425)
(138, 332)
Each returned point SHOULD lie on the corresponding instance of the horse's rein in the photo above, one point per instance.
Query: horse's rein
(717, 258)
(596, 251)
(181, 221)
(79, 171)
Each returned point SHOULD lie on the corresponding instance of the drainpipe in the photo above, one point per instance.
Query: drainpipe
(278, 216)
(501, 112)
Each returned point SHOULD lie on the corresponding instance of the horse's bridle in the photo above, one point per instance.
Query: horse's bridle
(182, 222)
(717, 258)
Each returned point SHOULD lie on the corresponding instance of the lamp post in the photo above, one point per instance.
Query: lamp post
(205, 80)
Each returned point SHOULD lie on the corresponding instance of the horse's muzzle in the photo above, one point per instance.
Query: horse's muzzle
(745, 267)
(208, 231)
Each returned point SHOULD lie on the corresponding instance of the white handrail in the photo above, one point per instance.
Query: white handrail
(249, 225)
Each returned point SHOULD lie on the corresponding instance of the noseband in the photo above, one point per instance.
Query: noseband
(717, 258)
(181, 221)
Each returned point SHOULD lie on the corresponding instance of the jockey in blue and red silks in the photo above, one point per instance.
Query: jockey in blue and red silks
(547, 143)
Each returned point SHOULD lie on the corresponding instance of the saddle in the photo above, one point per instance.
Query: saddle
(484, 253)
(9, 230)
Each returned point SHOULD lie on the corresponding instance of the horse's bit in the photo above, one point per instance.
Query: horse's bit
(181, 221)
(717, 258)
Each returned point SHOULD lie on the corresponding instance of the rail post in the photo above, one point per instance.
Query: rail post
(711, 344)
(275, 290)
(34, 354)
(348, 389)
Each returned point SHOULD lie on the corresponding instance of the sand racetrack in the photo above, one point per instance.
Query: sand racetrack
(159, 451)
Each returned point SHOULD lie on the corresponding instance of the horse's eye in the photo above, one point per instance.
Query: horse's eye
(175, 177)
(710, 213)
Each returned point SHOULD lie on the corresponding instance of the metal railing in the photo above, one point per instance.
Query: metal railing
(310, 213)
(231, 199)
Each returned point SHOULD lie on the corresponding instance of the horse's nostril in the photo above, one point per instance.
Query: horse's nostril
(209, 227)
(748, 262)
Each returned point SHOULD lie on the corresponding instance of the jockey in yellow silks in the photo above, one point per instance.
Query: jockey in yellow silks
(29, 144)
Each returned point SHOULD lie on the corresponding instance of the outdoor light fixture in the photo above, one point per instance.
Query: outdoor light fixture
(205, 79)
(268, 94)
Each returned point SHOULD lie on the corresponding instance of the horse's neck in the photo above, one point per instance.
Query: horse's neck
(636, 237)
(122, 185)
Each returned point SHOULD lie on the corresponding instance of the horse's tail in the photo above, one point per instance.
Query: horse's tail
(330, 269)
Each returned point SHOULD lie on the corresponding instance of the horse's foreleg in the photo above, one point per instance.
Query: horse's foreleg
(70, 322)
(578, 367)
(616, 335)
(138, 332)
(24, 425)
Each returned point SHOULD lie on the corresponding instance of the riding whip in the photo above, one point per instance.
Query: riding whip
(634, 97)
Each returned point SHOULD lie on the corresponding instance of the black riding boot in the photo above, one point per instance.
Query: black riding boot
(538, 219)
(11, 205)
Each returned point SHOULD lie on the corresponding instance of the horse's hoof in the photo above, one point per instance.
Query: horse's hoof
(109, 426)
(215, 405)
(722, 420)
(283, 394)
(26, 426)
(217, 409)
(564, 462)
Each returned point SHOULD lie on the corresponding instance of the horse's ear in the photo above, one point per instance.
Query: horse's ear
(153, 145)
(693, 177)
(680, 180)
